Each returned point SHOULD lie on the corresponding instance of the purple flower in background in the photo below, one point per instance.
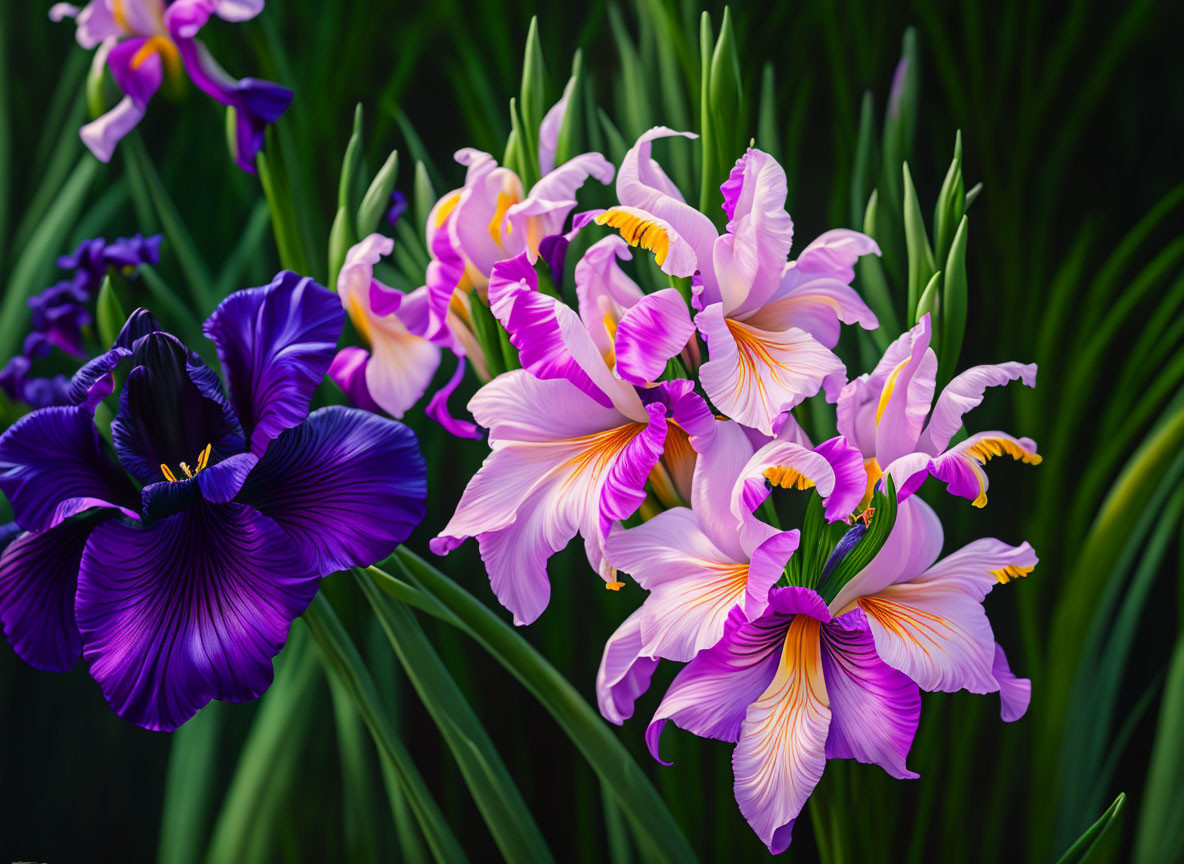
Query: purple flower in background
(398, 208)
(35, 392)
(183, 591)
(808, 681)
(94, 259)
(141, 40)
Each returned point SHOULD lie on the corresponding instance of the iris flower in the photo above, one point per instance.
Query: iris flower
(573, 438)
(701, 562)
(885, 415)
(809, 681)
(769, 323)
(142, 40)
(404, 345)
(178, 583)
(493, 217)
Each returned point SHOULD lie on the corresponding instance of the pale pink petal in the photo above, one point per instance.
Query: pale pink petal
(905, 398)
(103, 134)
(933, 627)
(908, 473)
(716, 472)
(656, 328)
(549, 128)
(753, 375)
(400, 369)
(624, 674)
(850, 477)
(964, 393)
(95, 23)
(553, 197)
(815, 291)
(642, 184)
(960, 467)
(874, 708)
(749, 258)
(478, 226)
(555, 453)
(1014, 693)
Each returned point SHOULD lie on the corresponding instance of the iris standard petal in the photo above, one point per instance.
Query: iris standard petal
(189, 609)
(170, 409)
(346, 485)
(53, 466)
(275, 344)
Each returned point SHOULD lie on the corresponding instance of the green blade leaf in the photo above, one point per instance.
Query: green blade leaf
(489, 781)
(189, 790)
(341, 659)
(951, 203)
(532, 103)
(638, 799)
(1081, 850)
(109, 314)
(1159, 835)
(920, 255)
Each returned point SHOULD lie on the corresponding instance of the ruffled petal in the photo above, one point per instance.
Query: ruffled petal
(346, 485)
(963, 394)
(782, 748)
(643, 186)
(555, 451)
(656, 328)
(275, 344)
(815, 291)
(874, 708)
(38, 577)
(960, 467)
(103, 134)
(791, 466)
(550, 200)
(753, 375)
(749, 258)
(1014, 693)
(348, 371)
(933, 627)
(906, 396)
(95, 22)
(717, 470)
(624, 674)
(53, 466)
(643, 230)
(187, 610)
(551, 340)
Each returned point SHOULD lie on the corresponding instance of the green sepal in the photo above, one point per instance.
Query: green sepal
(376, 201)
(953, 305)
(109, 314)
(341, 237)
(920, 255)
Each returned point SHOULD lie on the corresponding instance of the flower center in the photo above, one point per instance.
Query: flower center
(203, 459)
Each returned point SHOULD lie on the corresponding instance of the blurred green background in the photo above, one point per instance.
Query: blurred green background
(1070, 116)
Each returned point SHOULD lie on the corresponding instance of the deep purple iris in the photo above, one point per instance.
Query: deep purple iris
(178, 584)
